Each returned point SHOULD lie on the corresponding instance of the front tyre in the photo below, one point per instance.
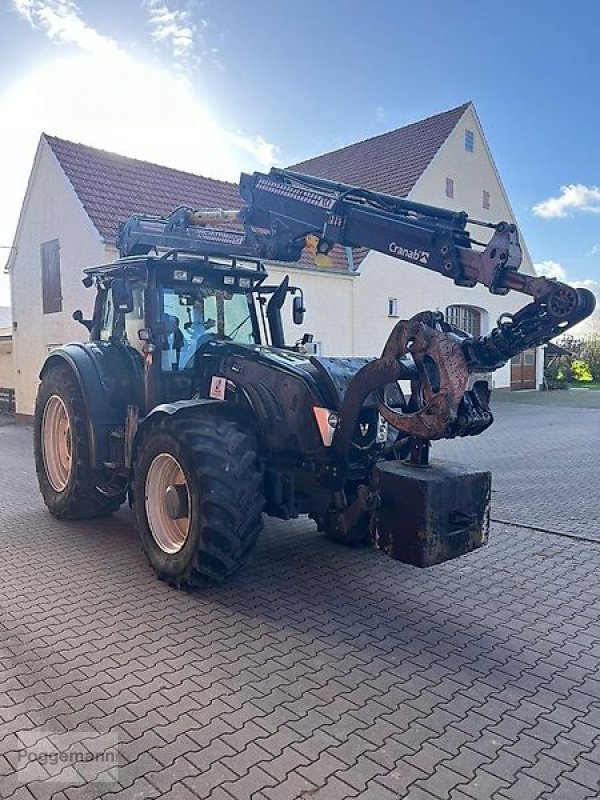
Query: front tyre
(198, 499)
(69, 486)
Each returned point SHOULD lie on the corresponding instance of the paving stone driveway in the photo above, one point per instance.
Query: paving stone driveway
(320, 672)
(544, 449)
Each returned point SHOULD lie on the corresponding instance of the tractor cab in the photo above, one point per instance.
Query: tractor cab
(171, 309)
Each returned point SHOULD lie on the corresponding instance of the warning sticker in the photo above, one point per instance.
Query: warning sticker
(217, 388)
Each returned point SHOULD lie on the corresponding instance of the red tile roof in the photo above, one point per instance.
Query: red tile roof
(391, 162)
(112, 187)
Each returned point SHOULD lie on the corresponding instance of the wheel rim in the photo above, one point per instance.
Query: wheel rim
(165, 473)
(57, 444)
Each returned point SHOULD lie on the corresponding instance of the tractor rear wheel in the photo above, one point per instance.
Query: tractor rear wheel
(198, 499)
(70, 488)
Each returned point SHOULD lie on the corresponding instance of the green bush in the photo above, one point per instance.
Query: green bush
(586, 350)
(581, 371)
(557, 374)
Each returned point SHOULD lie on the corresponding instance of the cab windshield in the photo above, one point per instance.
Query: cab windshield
(190, 319)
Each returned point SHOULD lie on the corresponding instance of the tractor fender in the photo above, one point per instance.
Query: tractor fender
(110, 380)
(180, 408)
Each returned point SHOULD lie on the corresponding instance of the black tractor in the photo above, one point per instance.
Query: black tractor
(188, 401)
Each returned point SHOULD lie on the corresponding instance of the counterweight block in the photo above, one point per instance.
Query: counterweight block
(430, 514)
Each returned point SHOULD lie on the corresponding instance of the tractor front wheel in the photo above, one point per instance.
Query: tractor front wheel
(198, 499)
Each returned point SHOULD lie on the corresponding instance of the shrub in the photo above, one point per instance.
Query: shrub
(557, 374)
(581, 371)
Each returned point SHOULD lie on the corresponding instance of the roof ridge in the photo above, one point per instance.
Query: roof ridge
(463, 107)
(50, 138)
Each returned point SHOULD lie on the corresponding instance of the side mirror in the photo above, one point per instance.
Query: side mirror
(78, 317)
(298, 310)
(122, 295)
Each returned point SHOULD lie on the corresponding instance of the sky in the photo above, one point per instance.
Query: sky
(220, 86)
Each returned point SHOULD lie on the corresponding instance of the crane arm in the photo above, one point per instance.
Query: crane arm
(294, 207)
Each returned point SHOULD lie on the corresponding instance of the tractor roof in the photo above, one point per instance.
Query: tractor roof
(178, 266)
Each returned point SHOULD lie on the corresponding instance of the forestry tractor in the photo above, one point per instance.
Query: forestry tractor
(188, 401)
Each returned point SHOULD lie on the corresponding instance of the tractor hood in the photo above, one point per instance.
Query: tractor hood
(328, 378)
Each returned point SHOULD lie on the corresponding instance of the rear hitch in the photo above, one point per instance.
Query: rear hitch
(342, 520)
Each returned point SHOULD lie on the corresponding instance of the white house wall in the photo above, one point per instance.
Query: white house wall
(51, 211)
(329, 308)
(472, 172)
(7, 367)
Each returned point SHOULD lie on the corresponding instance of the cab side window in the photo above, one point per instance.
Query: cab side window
(134, 320)
(108, 317)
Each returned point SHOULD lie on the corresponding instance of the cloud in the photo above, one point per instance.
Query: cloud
(551, 269)
(594, 250)
(591, 325)
(61, 21)
(85, 95)
(573, 198)
(174, 28)
(264, 152)
(588, 283)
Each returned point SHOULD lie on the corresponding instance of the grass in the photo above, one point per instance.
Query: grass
(585, 385)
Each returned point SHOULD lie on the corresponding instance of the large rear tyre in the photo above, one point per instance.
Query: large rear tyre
(198, 499)
(69, 486)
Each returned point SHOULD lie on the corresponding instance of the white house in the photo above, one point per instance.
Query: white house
(77, 195)
(7, 372)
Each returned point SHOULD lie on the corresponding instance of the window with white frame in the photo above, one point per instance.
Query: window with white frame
(449, 187)
(465, 318)
(393, 307)
(469, 141)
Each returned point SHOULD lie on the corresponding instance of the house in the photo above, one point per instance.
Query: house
(77, 195)
(7, 371)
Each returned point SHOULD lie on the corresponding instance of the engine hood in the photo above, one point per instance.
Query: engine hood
(328, 377)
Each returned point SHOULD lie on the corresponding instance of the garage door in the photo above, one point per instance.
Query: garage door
(522, 370)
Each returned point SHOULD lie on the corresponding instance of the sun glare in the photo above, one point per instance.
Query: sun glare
(116, 102)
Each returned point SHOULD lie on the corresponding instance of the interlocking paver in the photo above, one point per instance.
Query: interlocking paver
(586, 773)
(400, 778)
(334, 673)
(483, 785)
(442, 782)
(165, 777)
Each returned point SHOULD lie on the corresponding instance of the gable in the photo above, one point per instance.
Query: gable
(49, 208)
(472, 174)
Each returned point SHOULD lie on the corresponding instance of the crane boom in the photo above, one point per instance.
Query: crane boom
(285, 210)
